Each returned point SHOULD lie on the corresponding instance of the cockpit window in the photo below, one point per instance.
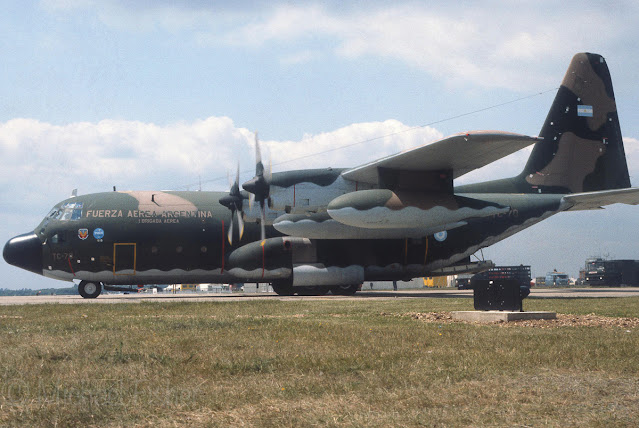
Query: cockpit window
(66, 212)
(54, 214)
(72, 211)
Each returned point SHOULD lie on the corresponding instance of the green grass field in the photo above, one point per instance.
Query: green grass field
(313, 362)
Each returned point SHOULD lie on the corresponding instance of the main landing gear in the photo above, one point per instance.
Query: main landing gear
(317, 290)
(89, 289)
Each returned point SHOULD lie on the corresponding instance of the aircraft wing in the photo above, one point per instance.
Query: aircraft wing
(460, 153)
(597, 200)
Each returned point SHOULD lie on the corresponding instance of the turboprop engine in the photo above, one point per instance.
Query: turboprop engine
(291, 260)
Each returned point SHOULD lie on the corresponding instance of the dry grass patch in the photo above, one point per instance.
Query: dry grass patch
(562, 320)
(299, 363)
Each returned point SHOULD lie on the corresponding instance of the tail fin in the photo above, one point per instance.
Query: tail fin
(582, 149)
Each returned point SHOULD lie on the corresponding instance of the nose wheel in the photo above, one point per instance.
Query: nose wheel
(89, 290)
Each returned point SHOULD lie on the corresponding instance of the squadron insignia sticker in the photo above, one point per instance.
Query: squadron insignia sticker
(98, 233)
(83, 234)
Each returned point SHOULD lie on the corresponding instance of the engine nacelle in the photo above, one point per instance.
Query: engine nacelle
(270, 259)
(385, 209)
(318, 274)
(290, 260)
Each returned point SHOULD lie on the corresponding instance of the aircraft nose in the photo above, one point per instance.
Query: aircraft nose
(24, 251)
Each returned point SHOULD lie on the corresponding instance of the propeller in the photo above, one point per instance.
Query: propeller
(259, 186)
(234, 201)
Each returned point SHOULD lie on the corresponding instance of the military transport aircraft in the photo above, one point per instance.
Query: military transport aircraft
(331, 229)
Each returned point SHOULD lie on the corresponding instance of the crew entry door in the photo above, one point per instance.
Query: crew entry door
(124, 258)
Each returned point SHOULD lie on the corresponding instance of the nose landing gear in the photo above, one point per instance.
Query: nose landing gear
(89, 290)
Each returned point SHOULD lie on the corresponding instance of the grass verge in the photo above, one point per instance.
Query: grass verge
(313, 362)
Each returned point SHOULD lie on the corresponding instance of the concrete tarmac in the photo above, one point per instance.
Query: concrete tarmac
(544, 293)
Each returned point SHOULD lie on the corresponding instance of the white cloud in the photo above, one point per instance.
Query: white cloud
(631, 147)
(490, 44)
(40, 159)
(365, 142)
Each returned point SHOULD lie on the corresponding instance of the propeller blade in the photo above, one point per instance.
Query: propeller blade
(230, 234)
(258, 153)
(237, 177)
(262, 220)
(259, 166)
(259, 186)
(240, 223)
(234, 202)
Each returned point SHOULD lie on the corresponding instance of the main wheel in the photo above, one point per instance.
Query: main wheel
(345, 290)
(89, 290)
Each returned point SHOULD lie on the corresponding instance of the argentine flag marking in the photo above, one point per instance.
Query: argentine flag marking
(584, 111)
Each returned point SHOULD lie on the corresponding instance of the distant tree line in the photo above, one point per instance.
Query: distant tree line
(42, 291)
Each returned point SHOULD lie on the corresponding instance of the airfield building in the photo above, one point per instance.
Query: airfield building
(611, 273)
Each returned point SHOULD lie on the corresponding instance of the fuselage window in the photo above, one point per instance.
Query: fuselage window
(58, 238)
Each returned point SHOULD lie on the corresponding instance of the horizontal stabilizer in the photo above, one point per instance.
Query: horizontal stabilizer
(597, 200)
(459, 153)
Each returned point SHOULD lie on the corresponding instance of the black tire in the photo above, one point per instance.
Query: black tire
(283, 289)
(345, 290)
(316, 290)
(89, 290)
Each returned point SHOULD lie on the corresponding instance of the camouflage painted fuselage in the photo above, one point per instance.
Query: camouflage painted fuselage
(181, 237)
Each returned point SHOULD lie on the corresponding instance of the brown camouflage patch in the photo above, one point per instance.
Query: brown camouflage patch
(575, 159)
(161, 201)
(400, 200)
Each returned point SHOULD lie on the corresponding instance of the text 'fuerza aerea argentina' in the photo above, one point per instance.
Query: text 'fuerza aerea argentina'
(149, 214)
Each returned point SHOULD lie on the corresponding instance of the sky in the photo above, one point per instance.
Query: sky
(167, 94)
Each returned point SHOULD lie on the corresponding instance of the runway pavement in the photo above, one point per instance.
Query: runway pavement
(547, 293)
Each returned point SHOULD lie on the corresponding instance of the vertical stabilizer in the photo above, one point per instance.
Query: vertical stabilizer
(582, 149)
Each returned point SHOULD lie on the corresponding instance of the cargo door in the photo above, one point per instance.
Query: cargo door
(124, 258)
